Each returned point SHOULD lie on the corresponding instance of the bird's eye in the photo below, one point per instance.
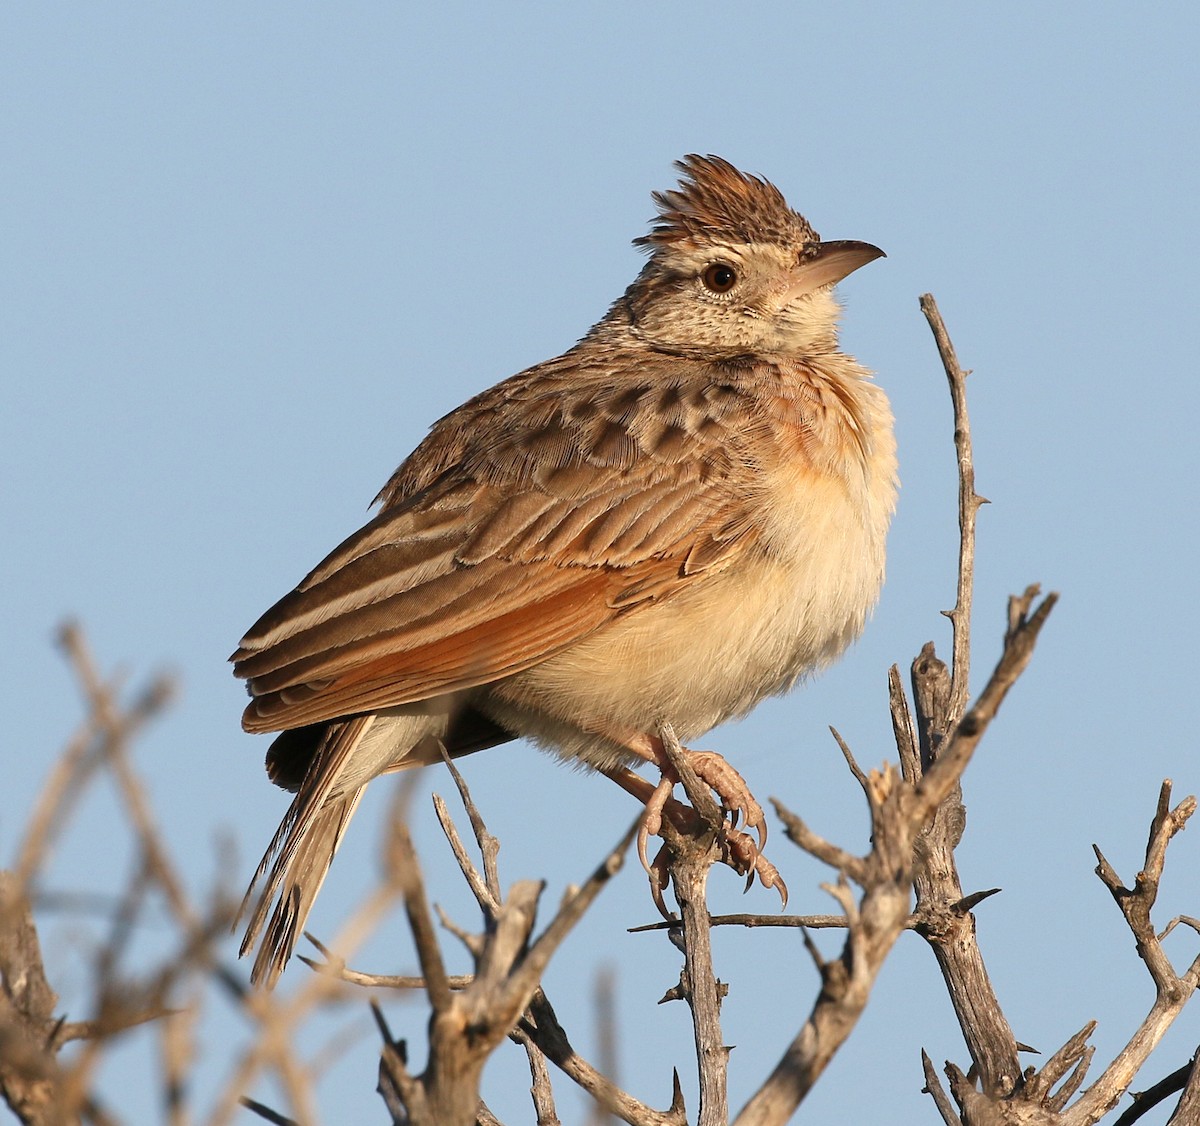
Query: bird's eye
(719, 277)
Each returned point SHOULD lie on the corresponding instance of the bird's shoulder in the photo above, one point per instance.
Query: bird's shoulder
(569, 424)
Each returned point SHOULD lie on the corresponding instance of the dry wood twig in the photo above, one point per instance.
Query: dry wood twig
(995, 1090)
(541, 1024)
(30, 1077)
(467, 1025)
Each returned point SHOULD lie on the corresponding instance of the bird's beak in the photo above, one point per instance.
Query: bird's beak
(829, 262)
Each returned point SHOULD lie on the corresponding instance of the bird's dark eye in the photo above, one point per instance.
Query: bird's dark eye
(719, 277)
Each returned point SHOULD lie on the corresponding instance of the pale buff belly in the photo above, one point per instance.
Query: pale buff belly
(789, 605)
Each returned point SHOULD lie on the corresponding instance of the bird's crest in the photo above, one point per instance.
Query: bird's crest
(716, 202)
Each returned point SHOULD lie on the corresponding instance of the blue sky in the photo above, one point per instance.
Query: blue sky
(249, 252)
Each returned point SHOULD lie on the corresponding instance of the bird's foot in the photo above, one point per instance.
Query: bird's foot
(746, 859)
(739, 849)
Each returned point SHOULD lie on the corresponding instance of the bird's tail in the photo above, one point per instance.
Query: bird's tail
(301, 851)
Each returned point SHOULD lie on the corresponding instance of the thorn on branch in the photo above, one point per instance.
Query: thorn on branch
(266, 1112)
(968, 903)
(1145, 1101)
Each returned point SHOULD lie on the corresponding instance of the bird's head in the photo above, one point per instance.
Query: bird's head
(733, 270)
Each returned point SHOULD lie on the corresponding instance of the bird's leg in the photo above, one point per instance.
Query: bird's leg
(742, 852)
(658, 802)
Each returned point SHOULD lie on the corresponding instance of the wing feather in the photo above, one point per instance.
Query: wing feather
(531, 528)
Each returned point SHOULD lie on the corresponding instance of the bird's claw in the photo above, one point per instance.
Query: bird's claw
(739, 850)
(660, 877)
(746, 859)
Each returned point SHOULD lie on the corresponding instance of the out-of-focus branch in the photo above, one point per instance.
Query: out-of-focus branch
(107, 727)
(120, 1001)
(467, 1025)
(275, 1017)
(30, 1078)
(607, 1035)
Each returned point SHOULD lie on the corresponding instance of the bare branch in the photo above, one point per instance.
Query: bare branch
(540, 1090)
(915, 824)
(1172, 990)
(489, 847)
(541, 1025)
(751, 921)
(265, 1112)
(933, 1087)
(407, 875)
(475, 880)
(803, 837)
(944, 733)
(690, 866)
(88, 749)
(1145, 1101)
(698, 794)
(29, 1074)
(467, 1026)
(338, 968)
(1187, 1111)
(968, 506)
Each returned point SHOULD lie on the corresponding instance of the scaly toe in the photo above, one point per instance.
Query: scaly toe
(741, 853)
(736, 799)
(652, 822)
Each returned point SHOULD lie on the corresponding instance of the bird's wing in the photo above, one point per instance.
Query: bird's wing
(539, 534)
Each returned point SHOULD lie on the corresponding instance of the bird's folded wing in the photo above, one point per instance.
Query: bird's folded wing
(489, 570)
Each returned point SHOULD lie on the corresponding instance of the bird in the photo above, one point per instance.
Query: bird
(681, 515)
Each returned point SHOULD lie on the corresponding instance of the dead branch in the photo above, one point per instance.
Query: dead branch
(1044, 1096)
(49, 1088)
(690, 857)
(540, 1024)
(751, 921)
(30, 1078)
(607, 1036)
(900, 813)
(106, 726)
(942, 731)
(467, 1026)
(995, 1090)
(968, 505)
(1172, 990)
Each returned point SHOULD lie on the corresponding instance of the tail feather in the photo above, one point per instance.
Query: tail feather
(301, 852)
(329, 768)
